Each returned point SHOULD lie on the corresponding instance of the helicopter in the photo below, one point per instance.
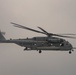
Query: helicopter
(52, 42)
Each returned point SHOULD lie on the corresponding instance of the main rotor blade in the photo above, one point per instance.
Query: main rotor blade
(64, 36)
(51, 34)
(43, 30)
(23, 27)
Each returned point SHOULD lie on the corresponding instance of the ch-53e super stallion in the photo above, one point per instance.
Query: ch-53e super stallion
(51, 42)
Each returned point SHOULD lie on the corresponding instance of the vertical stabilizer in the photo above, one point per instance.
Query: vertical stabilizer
(1, 35)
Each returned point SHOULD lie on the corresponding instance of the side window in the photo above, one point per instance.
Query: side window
(62, 44)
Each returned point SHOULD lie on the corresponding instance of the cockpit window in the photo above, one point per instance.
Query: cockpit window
(67, 42)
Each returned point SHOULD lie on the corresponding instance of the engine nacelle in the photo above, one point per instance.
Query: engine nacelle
(55, 40)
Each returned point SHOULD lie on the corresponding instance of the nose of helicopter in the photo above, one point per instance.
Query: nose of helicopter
(70, 46)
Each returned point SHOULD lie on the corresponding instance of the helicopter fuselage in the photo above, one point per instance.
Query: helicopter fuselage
(42, 43)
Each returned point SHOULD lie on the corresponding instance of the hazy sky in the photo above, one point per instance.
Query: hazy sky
(57, 16)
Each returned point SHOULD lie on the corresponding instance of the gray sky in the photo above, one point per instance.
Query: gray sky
(57, 16)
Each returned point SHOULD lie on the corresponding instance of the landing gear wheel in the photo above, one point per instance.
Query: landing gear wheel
(40, 51)
(70, 52)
